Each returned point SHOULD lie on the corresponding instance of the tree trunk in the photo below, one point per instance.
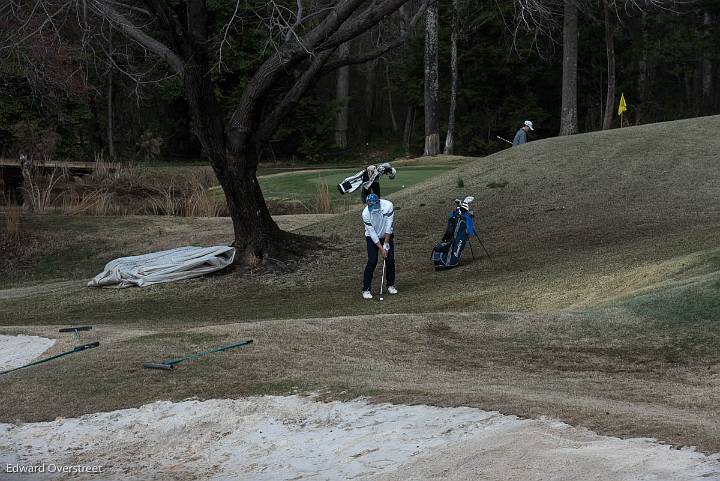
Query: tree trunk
(341, 96)
(393, 121)
(110, 136)
(26, 168)
(234, 161)
(568, 114)
(450, 138)
(432, 130)
(707, 68)
(610, 22)
(643, 86)
(256, 234)
(370, 83)
(409, 127)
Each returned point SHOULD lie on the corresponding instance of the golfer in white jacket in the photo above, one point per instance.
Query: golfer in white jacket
(378, 216)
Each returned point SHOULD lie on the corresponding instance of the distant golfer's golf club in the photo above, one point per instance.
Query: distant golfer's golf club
(504, 140)
(168, 365)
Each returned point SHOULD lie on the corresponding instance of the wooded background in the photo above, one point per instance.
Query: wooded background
(72, 106)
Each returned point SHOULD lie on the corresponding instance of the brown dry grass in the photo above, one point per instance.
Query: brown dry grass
(12, 222)
(125, 189)
(591, 370)
(323, 204)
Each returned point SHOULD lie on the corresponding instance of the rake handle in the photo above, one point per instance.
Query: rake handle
(170, 364)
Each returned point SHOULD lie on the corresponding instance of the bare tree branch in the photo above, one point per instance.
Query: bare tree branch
(363, 22)
(288, 103)
(143, 39)
(381, 49)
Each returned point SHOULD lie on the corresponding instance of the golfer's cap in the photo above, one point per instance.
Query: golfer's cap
(528, 124)
(373, 202)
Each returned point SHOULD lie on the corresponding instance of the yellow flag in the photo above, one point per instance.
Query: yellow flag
(623, 106)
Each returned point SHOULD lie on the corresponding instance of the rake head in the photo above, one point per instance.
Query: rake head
(158, 365)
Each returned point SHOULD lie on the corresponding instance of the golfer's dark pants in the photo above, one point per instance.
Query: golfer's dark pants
(373, 254)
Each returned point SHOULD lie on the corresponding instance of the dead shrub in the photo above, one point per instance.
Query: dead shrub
(115, 189)
(166, 202)
(41, 189)
(323, 204)
(150, 145)
(201, 204)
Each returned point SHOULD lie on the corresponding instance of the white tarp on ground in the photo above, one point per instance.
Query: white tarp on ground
(164, 266)
(16, 351)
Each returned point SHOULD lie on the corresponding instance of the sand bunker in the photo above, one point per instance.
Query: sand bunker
(296, 438)
(16, 351)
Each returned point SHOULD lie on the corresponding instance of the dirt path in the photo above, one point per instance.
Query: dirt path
(271, 438)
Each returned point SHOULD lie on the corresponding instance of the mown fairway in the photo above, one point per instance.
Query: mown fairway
(600, 306)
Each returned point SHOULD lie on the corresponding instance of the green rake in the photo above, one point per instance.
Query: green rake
(168, 365)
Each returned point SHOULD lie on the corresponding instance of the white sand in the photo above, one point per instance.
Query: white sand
(295, 438)
(16, 351)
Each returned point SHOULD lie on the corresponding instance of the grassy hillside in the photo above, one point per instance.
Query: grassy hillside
(580, 221)
(600, 304)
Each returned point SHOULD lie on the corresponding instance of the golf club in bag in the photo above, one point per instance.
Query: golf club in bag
(447, 253)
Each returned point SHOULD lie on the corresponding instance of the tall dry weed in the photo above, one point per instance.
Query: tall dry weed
(323, 204)
(201, 204)
(41, 189)
(98, 202)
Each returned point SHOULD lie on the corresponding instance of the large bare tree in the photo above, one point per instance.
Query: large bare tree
(302, 39)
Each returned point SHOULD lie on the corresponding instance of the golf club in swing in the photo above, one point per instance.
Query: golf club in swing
(504, 140)
(382, 279)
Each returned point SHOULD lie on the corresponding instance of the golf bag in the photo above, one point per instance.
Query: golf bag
(366, 178)
(447, 253)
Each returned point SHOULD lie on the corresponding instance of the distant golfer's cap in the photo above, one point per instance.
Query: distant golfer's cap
(373, 202)
(528, 124)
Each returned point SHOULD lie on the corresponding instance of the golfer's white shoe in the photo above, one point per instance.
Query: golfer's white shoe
(392, 290)
(367, 295)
